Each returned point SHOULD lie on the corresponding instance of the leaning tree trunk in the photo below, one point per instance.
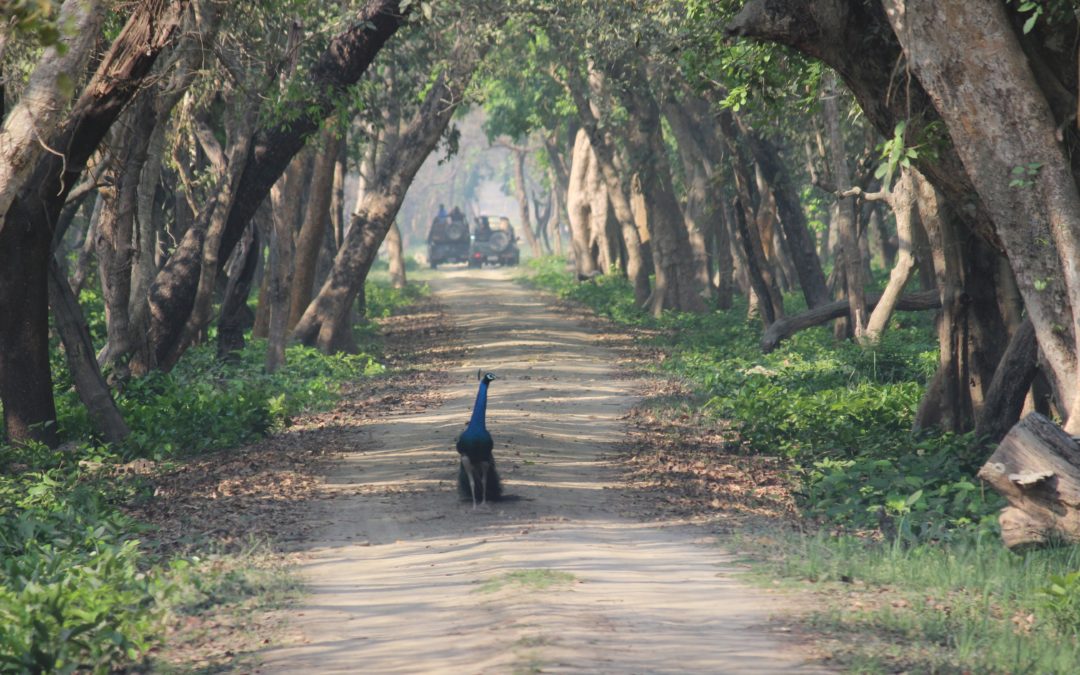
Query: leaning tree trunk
(341, 65)
(27, 227)
(79, 351)
(316, 217)
(39, 112)
(236, 317)
(324, 323)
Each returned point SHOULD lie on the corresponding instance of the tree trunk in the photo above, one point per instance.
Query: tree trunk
(79, 351)
(848, 254)
(676, 286)
(116, 231)
(521, 194)
(902, 200)
(25, 377)
(756, 267)
(578, 205)
(39, 112)
(236, 317)
(341, 65)
(286, 199)
(25, 380)
(1009, 388)
(698, 211)
(788, 326)
(771, 301)
(604, 154)
(316, 217)
(396, 253)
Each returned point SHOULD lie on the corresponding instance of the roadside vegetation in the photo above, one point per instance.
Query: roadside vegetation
(895, 534)
(84, 586)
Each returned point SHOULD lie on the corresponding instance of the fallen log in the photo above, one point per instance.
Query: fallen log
(1036, 467)
(784, 328)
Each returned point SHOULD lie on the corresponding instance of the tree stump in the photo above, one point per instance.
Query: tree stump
(1037, 469)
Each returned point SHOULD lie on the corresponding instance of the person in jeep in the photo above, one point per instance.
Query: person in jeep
(448, 238)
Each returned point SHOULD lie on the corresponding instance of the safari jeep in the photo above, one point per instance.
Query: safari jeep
(494, 242)
(448, 240)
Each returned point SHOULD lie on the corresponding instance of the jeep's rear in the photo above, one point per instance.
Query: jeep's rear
(448, 241)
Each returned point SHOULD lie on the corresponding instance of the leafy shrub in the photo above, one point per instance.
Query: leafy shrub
(75, 592)
(1061, 602)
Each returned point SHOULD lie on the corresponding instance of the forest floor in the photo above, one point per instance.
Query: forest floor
(596, 566)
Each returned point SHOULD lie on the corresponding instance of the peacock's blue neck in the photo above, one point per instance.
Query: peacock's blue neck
(479, 410)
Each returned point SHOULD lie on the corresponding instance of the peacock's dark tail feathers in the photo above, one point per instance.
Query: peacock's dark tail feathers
(494, 485)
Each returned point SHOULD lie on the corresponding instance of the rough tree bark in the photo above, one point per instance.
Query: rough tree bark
(316, 220)
(286, 197)
(26, 233)
(970, 61)
(1036, 467)
(396, 254)
(79, 352)
(578, 205)
(676, 287)
(604, 155)
(40, 110)
(847, 253)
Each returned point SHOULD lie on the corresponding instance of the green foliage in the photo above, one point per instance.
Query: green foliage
(1024, 175)
(75, 592)
(841, 413)
(36, 19)
(1061, 602)
(205, 404)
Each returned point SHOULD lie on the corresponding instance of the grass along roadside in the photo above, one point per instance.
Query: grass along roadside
(110, 553)
(804, 456)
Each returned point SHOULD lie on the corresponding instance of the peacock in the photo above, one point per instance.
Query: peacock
(475, 444)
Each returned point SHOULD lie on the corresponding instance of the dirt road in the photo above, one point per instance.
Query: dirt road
(404, 578)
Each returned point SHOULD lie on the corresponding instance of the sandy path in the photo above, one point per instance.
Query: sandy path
(405, 579)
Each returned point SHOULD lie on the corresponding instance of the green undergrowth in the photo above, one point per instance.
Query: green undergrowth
(80, 590)
(967, 605)
(904, 545)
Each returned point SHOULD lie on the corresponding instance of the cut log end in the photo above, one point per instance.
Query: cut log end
(1036, 468)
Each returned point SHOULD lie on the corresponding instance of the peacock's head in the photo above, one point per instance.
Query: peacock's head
(485, 377)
